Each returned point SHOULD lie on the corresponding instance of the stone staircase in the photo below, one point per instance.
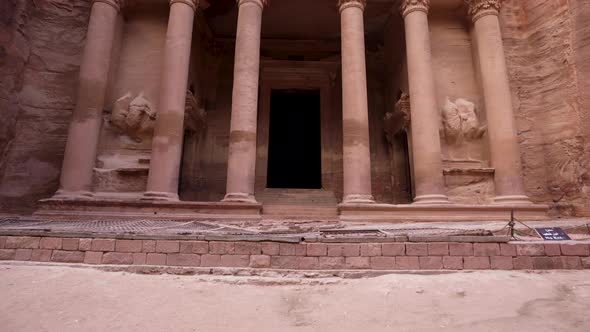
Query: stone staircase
(298, 203)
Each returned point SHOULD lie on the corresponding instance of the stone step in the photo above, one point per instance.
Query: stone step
(297, 197)
(299, 210)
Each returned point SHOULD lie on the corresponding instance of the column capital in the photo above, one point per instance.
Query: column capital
(343, 4)
(477, 9)
(261, 3)
(117, 4)
(409, 6)
(194, 4)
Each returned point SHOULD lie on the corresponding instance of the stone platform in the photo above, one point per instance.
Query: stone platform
(141, 209)
(180, 210)
(304, 246)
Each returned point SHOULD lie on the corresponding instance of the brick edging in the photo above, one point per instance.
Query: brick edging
(303, 256)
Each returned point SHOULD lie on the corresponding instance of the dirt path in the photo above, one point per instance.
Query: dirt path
(57, 298)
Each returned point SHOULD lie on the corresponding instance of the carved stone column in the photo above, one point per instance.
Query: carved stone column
(169, 132)
(84, 132)
(355, 130)
(242, 137)
(426, 150)
(504, 149)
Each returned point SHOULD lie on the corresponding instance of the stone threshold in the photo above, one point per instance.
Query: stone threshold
(298, 256)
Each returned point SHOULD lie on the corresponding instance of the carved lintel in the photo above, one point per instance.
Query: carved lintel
(477, 9)
(409, 6)
(261, 3)
(343, 4)
(398, 120)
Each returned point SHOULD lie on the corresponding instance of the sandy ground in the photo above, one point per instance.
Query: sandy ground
(59, 298)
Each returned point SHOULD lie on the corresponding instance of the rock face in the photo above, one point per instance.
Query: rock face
(40, 52)
(547, 46)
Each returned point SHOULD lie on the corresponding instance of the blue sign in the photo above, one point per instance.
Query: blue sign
(552, 233)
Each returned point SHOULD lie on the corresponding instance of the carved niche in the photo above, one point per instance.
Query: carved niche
(460, 122)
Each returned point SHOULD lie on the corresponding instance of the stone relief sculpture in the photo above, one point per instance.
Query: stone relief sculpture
(461, 130)
(460, 122)
(135, 117)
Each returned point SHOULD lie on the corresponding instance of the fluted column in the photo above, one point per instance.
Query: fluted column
(242, 137)
(84, 131)
(504, 149)
(169, 132)
(426, 150)
(355, 127)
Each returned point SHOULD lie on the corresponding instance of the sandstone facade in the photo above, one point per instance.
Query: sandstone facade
(547, 46)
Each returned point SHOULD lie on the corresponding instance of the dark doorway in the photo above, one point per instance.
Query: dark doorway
(294, 149)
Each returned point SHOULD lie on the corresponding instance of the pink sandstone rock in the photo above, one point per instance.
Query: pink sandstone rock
(453, 262)
(117, 258)
(73, 244)
(438, 249)
(128, 245)
(41, 255)
(165, 246)
(93, 257)
(501, 263)
(51, 243)
(383, 263)
(67, 256)
(259, 261)
(393, 249)
(103, 245)
(317, 249)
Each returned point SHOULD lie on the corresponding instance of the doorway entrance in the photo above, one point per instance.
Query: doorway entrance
(294, 147)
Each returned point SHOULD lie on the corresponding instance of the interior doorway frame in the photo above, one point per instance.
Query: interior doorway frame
(300, 75)
(294, 160)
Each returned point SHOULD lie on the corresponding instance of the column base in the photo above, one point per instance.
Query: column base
(73, 195)
(431, 199)
(512, 199)
(239, 198)
(155, 196)
(358, 199)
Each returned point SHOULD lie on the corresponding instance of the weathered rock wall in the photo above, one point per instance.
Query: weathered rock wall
(40, 52)
(546, 45)
(580, 11)
(13, 55)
